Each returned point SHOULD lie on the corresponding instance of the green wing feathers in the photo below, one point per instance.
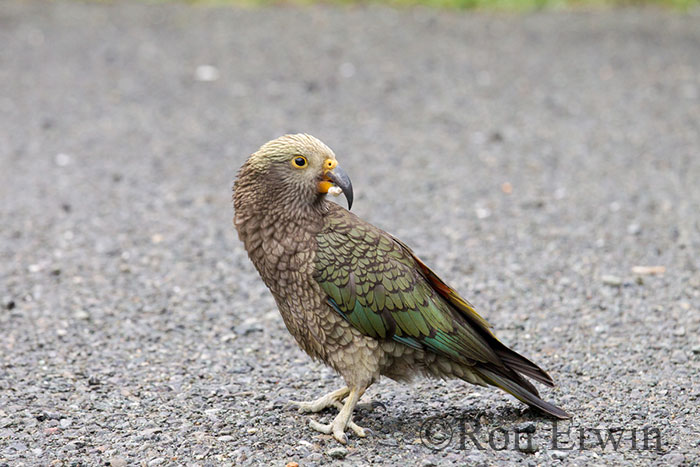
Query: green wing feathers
(375, 285)
(379, 286)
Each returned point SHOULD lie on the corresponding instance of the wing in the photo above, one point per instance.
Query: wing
(379, 286)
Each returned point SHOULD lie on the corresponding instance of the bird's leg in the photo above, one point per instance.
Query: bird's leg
(343, 420)
(329, 400)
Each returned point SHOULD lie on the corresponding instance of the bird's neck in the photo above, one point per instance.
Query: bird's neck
(274, 229)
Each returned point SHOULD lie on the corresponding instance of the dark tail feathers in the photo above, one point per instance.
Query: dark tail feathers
(516, 385)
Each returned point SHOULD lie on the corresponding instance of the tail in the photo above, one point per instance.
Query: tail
(512, 383)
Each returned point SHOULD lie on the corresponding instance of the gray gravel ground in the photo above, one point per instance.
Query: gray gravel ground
(133, 329)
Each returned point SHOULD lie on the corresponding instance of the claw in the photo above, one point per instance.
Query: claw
(378, 404)
(373, 405)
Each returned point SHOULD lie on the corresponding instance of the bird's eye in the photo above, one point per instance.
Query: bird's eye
(300, 162)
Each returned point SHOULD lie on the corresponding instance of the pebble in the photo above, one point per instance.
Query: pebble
(613, 281)
(673, 458)
(558, 455)
(313, 457)
(19, 447)
(62, 159)
(526, 427)
(81, 314)
(206, 73)
(117, 462)
(679, 356)
(338, 452)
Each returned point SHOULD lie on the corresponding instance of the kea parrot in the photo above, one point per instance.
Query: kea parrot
(354, 296)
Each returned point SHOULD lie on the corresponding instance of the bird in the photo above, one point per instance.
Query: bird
(355, 297)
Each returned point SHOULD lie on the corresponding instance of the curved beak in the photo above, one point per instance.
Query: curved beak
(340, 179)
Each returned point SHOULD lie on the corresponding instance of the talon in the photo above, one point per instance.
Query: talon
(341, 437)
(359, 431)
(378, 404)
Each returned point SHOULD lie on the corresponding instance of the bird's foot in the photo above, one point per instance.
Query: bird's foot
(337, 427)
(329, 400)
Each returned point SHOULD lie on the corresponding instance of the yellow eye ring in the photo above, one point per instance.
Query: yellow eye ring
(300, 162)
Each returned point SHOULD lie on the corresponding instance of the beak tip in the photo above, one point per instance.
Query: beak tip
(341, 179)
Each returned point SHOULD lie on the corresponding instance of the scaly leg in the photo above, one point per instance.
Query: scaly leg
(343, 420)
(329, 400)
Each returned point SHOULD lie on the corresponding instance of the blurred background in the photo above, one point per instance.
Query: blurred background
(541, 156)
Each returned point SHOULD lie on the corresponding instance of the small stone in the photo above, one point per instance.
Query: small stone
(81, 314)
(156, 461)
(117, 461)
(19, 447)
(648, 270)
(482, 213)
(347, 70)
(65, 422)
(228, 338)
(292, 464)
(558, 455)
(634, 229)
(63, 159)
(338, 453)
(696, 350)
(679, 356)
(613, 281)
(226, 438)
(527, 427)
(679, 331)
(673, 458)
(475, 458)
(206, 73)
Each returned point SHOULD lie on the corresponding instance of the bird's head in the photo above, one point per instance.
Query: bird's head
(300, 168)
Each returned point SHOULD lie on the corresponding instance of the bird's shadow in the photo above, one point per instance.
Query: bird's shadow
(383, 420)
